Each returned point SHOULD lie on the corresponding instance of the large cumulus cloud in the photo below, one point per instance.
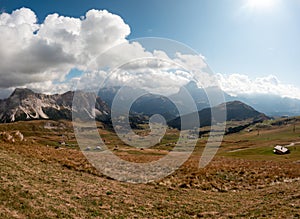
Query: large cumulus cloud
(40, 55)
(32, 52)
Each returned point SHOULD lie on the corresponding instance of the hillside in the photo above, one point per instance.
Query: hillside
(234, 111)
(39, 180)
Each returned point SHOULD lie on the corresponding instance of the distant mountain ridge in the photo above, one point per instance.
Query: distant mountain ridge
(270, 104)
(148, 104)
(24, 104)
(229, 111)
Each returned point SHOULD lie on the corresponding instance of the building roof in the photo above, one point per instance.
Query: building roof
(281, 148)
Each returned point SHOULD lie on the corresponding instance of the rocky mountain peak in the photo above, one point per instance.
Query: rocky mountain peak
(24, 104)
(22, 92)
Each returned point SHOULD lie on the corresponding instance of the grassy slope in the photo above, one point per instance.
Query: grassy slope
(260, 146)
(43, 182)
(35, 188)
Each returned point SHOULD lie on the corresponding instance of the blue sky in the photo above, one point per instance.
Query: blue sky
(256, 40)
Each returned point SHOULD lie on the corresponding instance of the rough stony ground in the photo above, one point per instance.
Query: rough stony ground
(42, 182)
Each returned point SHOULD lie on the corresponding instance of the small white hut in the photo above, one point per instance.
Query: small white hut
(278, 149)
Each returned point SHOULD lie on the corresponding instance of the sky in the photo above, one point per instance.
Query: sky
(252, 45)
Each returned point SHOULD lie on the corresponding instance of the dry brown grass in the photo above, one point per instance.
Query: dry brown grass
(43, 182)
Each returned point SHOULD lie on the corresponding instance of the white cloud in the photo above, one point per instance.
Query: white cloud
(19, 17)
(39, 56)
(155, 72)
(32, 52)
(236, 84)
(191, 62)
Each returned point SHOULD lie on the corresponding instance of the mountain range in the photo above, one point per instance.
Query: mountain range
(24, 104)
(271, 105)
